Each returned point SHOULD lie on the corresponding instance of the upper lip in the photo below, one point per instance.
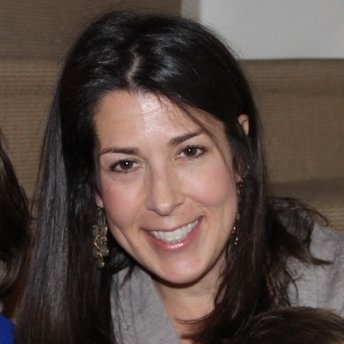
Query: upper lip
(162, 229)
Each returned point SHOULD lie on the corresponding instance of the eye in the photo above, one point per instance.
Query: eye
(124, 166)
(192, 152)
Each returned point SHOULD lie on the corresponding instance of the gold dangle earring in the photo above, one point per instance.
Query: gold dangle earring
(100, 242)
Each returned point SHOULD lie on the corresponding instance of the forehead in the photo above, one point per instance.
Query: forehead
(123, 114)
(122, 110)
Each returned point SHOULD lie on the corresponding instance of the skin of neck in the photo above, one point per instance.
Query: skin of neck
(189, 302)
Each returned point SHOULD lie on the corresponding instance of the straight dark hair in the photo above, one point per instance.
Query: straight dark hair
(13, 222)
(67, 296)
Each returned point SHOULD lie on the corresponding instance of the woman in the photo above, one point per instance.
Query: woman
(153, 157)
(13, 223)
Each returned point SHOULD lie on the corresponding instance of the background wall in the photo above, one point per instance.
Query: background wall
(44, 28)
(275, 28)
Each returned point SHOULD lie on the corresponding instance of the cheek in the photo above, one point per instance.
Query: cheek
(121, 203)
(214, 186)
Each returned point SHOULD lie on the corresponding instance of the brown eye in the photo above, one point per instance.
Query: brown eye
(192, 152)
(123, 166)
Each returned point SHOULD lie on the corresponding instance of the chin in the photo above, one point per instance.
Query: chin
(181, 280)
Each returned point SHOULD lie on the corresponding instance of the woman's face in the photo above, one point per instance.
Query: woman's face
(168, 188)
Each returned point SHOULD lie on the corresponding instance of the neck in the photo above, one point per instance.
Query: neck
(186, 303)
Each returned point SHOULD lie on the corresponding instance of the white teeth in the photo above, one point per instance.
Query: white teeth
(175, 236)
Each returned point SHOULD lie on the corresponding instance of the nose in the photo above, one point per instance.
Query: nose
(164, 192)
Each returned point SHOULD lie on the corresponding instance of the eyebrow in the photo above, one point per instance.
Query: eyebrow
(180, 139)
(175, 141)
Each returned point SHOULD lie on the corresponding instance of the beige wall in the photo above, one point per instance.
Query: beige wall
(41, 28)
(275, 28)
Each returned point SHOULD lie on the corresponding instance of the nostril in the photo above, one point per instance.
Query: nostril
(164, 196)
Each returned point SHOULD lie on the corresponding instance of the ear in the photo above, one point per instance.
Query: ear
(244, 122)
(99, 200)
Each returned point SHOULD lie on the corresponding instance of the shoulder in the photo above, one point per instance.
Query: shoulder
(6, 331)
(327, 244)
(137, 311)
(321, 285)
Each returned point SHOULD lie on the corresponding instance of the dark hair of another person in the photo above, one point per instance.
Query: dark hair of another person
(13, 223)
(295, 325)
(67, 296)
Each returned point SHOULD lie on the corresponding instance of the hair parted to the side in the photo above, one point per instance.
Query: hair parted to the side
(13, 222)
(175, 58)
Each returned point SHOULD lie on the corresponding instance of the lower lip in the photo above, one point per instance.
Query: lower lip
(179, 244)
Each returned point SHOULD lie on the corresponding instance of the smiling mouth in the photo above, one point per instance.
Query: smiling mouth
(175, 236)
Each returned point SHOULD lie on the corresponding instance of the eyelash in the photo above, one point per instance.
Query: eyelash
(127, 165)
(198, 150)
(123, 169)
